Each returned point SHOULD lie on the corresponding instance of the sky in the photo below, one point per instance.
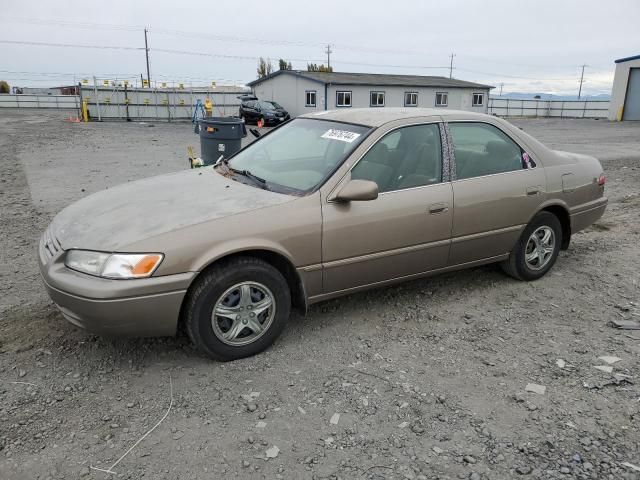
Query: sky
(524, 46)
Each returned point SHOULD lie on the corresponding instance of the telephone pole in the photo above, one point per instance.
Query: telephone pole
(501, 85)
(328, 51)
(581, 82)
(146, 51)
(451, 66)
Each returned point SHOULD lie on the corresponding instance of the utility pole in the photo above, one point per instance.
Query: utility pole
(501, 85)
(146, 51)
(451, 66)
(581, 82)
(328, 51)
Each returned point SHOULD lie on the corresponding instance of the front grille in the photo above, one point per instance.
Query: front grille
(50, 244)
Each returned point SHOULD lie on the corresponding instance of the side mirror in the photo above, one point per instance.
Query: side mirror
(357, 190)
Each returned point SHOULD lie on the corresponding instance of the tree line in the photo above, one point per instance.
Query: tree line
(265, 67)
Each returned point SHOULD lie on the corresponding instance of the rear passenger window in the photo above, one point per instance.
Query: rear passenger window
(482, 149)
(405, 158)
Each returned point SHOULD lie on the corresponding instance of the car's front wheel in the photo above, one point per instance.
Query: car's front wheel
(537, 248)
(237, 309)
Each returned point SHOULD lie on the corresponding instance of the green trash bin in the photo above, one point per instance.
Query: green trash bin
(220, 136)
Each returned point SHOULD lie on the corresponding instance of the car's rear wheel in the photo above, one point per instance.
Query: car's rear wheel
(237, 309)
(537, 248)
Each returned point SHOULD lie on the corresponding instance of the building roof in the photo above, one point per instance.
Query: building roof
(375, 79)
(628, 59)
(375, 117)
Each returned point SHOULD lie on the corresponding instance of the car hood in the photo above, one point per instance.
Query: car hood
(117, 217)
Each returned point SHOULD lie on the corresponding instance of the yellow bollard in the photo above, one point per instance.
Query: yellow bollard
(85, 112)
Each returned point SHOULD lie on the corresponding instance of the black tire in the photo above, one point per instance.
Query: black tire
(209, 288)
(516, 265)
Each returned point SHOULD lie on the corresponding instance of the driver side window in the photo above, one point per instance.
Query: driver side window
(404, 158)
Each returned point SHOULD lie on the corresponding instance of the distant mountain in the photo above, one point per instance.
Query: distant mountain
(551, 96)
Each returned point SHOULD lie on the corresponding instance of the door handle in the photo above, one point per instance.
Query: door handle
(533, 190)
(438, 208)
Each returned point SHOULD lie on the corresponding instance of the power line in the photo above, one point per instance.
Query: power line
(254, 58)
(251, 40)
(70, 45)
(247, 57)
(66, 23)
(302, 60)
(494, 74)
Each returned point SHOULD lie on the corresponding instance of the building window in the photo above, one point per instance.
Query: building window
(478, 99)
(410, 99)
(376, 99)
(310, 98)
(442, 99)
(343, 99)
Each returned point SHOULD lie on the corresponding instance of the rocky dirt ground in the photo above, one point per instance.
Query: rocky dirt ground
(424, 380)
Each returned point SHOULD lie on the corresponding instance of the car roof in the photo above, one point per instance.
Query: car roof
(376, 117)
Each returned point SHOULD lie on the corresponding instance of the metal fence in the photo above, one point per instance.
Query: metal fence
(67, 102)
(507, 107)
(160, 104)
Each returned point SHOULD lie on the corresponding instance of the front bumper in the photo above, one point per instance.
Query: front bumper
(146, 307)
(275, 120)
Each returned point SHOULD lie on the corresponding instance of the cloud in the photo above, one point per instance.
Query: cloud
(528, 46)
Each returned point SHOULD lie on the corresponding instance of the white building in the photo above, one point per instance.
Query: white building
(301, 92)
(625, 95)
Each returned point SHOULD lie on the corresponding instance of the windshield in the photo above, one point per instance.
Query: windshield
(273, 105)
(267, 106)
(300, 155)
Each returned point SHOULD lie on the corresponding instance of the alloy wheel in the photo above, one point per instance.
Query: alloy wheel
(243, 313)
(540, 248)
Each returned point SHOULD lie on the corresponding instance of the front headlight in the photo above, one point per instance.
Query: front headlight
(113, 265)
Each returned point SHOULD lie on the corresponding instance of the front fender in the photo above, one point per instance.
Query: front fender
(231, 247)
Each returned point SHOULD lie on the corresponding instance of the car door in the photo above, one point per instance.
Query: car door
(497, 188)
(249, 111)
(406, 230)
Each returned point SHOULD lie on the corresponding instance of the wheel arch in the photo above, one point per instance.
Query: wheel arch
(276, 259)
(562, 214)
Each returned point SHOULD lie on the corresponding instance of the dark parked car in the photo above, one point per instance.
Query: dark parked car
(271, 113)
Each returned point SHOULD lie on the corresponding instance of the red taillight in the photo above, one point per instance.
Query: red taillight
(601, 180)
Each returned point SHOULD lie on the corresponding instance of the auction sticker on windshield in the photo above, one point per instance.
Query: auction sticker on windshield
(342, 135)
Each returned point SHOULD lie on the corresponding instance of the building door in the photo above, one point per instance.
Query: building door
(632, 100)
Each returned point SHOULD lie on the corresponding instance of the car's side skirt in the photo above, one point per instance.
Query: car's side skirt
(339, 293)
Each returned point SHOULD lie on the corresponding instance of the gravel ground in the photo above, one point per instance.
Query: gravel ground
(424, 380)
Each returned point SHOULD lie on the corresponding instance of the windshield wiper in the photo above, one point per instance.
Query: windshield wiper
(261, 182)
(250, 175)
